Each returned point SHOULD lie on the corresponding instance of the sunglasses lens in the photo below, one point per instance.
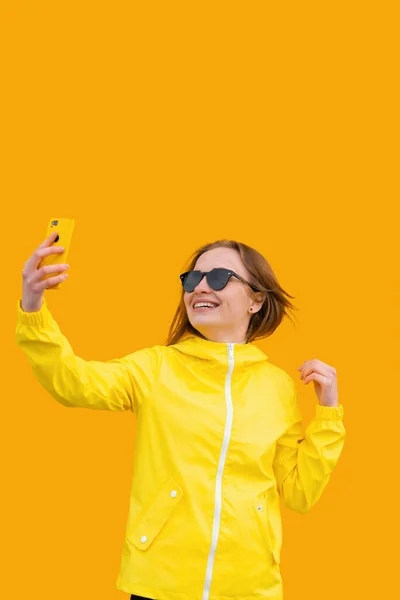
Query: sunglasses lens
(191, 280)
(218, 278)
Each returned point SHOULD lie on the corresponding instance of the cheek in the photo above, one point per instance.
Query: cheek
(229, 306)
(235, 304)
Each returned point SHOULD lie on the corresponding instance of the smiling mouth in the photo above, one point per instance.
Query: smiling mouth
(200, 308)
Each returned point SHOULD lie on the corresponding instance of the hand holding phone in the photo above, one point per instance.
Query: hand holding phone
(45, 268)
(64, 229)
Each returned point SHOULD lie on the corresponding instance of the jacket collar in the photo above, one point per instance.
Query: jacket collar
(198, 347)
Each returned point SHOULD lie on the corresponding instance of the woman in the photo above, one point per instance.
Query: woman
(218, 431)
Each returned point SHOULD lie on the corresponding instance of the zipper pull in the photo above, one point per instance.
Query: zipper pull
(230, 351)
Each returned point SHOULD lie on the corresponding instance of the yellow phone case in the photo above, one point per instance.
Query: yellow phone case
(64, 228)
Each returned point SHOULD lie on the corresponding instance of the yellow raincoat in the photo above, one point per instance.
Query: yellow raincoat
(218, 444)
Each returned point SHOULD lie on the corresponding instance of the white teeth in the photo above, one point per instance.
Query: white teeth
(204, 304)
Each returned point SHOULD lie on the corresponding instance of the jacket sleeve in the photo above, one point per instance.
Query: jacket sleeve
(117, 385)
(303, 465)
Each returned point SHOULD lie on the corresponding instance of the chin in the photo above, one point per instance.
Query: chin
(204, 318)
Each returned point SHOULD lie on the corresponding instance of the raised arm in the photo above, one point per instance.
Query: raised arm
(119, 384)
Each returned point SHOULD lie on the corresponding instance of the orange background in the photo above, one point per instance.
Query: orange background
(160, 126)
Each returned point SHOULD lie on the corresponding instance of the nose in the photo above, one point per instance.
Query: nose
(202, 286)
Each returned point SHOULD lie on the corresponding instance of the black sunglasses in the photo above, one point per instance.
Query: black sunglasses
(216, 279)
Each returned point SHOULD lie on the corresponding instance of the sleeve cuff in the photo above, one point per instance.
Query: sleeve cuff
(329, 413)
(40, 318)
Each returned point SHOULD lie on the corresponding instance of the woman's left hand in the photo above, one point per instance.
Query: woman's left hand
(324, 378)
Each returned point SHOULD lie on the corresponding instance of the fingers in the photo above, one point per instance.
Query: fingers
(49, 240)
(34, 285)
(317, 367)
(47, 270)
(48, 283)
(316, 364)
(319, 372)
(33, 262)
(34, 280)
(323, 380)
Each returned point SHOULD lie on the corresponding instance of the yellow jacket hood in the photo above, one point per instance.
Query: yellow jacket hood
(217, 352)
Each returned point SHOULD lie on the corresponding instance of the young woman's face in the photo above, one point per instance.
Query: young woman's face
(228, 320)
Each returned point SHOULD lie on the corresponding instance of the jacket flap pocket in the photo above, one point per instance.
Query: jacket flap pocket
(269, 520)
(155, 517)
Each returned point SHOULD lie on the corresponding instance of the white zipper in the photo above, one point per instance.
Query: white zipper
(218, 486)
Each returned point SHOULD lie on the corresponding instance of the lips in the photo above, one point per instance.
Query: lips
(201, 304)
(200, 300)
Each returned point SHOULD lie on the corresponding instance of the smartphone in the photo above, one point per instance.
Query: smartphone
(64, 228)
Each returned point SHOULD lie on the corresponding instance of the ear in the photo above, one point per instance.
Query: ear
(259, 297)
(257, 303)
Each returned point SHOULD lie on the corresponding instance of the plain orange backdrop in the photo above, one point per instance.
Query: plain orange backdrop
(159, 126)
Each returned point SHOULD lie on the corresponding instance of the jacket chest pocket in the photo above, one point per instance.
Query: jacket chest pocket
(268, 517)
(153, 519)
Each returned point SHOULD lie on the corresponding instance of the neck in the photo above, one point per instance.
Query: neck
(226, 337)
